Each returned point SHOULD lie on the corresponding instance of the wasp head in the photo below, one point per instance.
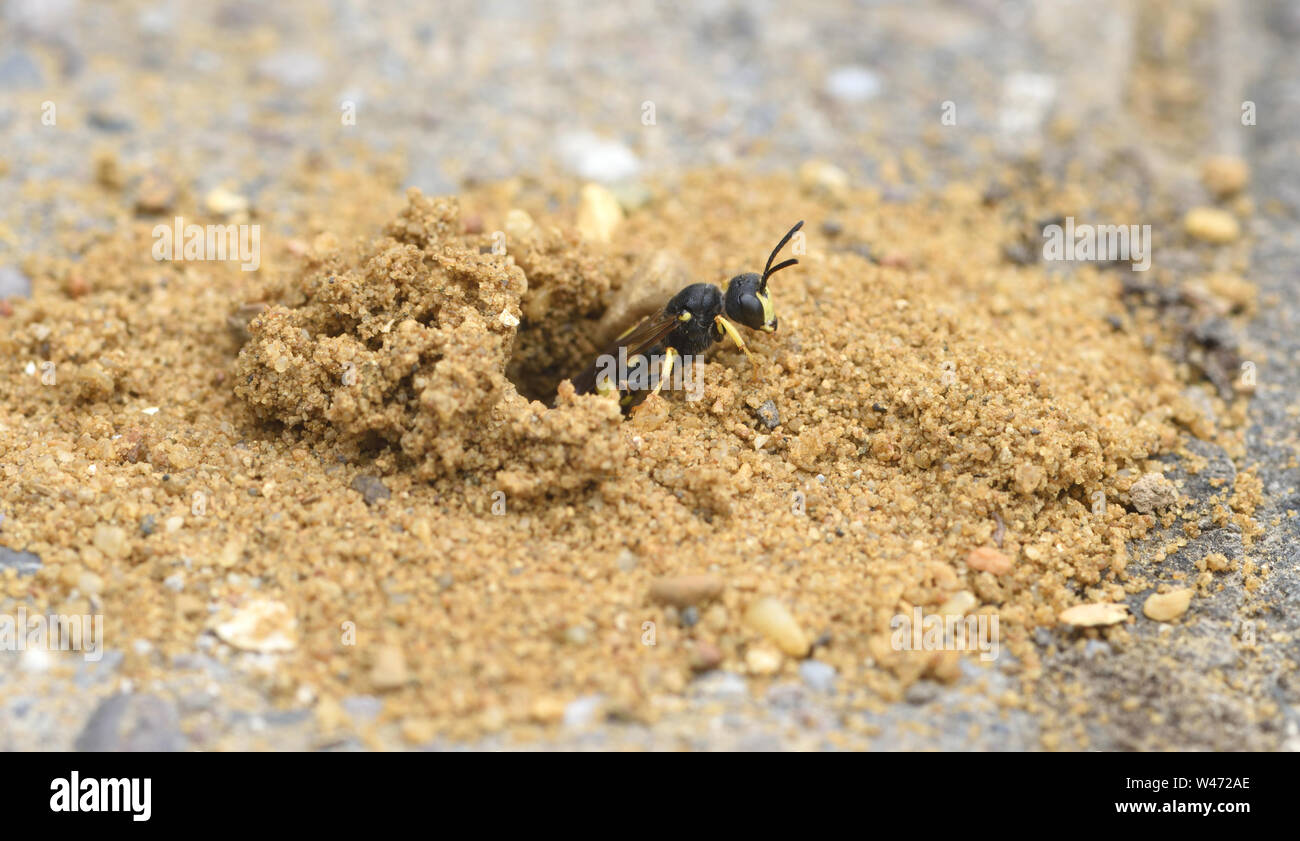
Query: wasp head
(747, 301)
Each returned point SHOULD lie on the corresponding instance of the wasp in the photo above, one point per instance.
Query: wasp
(690, 323)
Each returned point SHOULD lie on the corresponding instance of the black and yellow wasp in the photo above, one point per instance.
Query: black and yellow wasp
(689, 324)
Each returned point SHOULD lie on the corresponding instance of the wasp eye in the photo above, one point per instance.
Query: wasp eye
(751, 311)
(746, 303)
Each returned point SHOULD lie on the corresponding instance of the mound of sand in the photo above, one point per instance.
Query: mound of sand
(409, 347)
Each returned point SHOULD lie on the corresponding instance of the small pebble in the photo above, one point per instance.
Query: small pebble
(1094, 615)
(292, 68)
(722, 685)
(852, 84)
(583, 711)
(388, 671)
(921, 692)
(1093, 648)
(596, 158)
(762, 660)
(1225, 175)
(520, 227)
(371, 488)
(90, 584)
(262, 625)
(27, 563)
(958, 604)
(13, 283)
(225, 203)
(988, 559)
(1152, 492)
(111, 540)
(817, 675)
(773, 620)
(819, 178)
(1166, 607)
(599, 214)
(769, 415)
(155, 194)
(626, 561)
(705, 657)
(107, 119)
(548, 710)
(685, 590)
(1210, 224)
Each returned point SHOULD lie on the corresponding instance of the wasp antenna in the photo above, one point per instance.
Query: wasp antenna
(768, 270)
(778, 267)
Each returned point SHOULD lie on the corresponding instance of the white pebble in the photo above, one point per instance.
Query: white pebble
(596, 158)
(852, 83)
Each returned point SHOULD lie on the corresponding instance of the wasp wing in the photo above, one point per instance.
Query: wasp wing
(641, 337)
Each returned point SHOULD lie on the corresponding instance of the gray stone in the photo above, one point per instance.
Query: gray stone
(818, 676)
(91, 672)
(131, 723)
(1093, 648)
(25, 562)
(787, 696)
(921, 692)
(371, 488)
(106, 119)
(18, 70)
(583, 711)
(13, 283)
(47, 18)
(292, 68)
(721, 685)
(362, 708)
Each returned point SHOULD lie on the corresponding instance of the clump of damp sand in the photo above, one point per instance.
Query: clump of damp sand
(406, 350)
(356, 462)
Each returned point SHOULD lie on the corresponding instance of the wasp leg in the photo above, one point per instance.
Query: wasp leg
(734, 335)
(665, 369)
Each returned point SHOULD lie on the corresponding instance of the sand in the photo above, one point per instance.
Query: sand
(344, 474)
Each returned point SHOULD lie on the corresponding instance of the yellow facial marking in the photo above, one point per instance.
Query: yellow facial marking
(769, 313)
(685, 316)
